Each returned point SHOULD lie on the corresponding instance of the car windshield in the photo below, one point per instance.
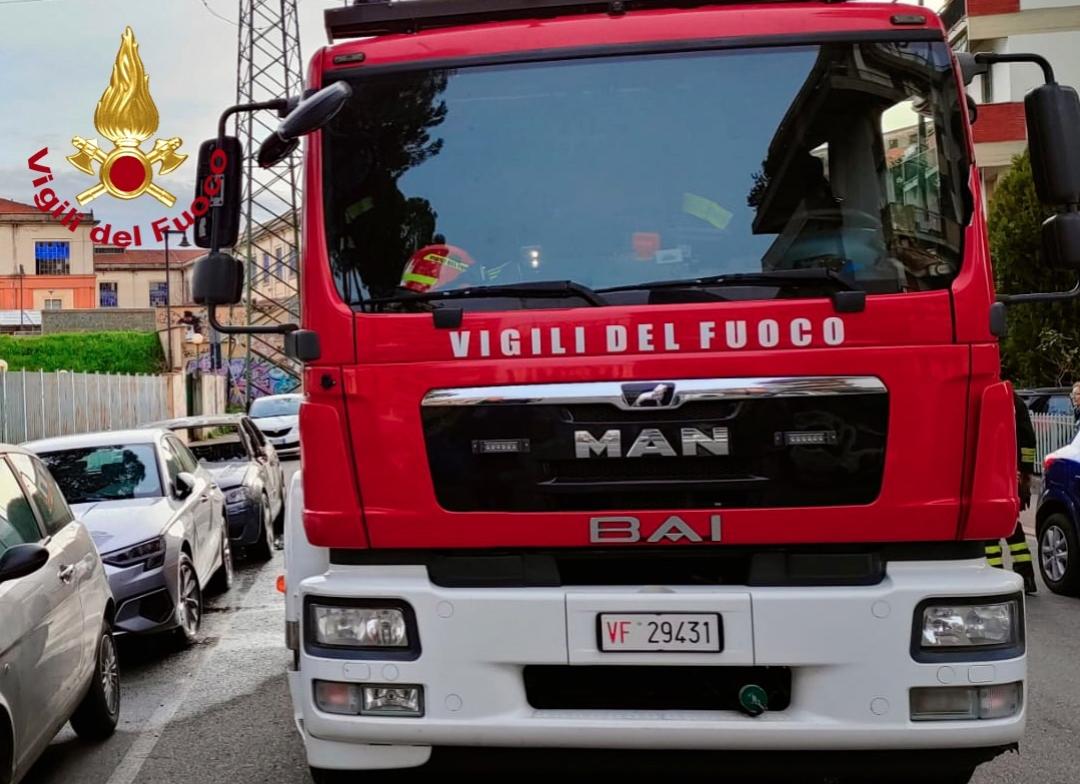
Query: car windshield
(214, 444)
(630, 170)
(265, 407)
(106, 473)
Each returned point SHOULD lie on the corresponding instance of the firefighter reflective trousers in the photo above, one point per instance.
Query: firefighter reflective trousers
(1018, 552)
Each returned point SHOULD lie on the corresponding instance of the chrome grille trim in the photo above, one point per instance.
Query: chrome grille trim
(686, 390)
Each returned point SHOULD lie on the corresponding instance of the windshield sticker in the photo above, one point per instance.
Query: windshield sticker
(706, 209)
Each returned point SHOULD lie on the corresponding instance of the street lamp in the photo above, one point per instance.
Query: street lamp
(168, 291)
(22, 307)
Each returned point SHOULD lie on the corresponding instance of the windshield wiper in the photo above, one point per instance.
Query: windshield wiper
(541, 289)
(798, 278)
(846, 296)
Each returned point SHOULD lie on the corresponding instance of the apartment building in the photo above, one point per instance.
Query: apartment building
(1047, 27)
(44, 265)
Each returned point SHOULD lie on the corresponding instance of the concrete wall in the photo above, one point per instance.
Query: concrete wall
(99, 320)
(1028, 4)
(1059, 48)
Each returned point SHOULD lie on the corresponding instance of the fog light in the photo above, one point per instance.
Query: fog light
(334, 697)
(944, 704)
(959, 703)
(393, 700)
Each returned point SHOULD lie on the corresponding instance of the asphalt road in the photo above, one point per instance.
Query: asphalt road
(219, 713)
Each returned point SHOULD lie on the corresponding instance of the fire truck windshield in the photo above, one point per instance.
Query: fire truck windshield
(622, 172)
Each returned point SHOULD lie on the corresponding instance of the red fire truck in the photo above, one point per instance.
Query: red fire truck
(653, 396)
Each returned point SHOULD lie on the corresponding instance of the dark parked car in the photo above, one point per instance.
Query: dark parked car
(247, 470)
(1047, 400)
(1058, 520)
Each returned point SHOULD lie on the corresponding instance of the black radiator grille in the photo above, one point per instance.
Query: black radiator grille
(760, 469)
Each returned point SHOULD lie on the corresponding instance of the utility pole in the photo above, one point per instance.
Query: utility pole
(168, 292)
(268, 67)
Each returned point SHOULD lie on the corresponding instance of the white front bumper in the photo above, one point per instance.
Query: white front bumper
(848, 648)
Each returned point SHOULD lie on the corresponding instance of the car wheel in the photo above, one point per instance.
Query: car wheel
(223, 577)
(97, 714)
(263, 550)
(189, 607)
(1059, 555)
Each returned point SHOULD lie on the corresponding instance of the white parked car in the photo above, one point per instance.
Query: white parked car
(57, 655)
(278, 417)
(157, 518)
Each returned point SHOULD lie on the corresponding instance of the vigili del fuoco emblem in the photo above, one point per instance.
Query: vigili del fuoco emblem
(126, 116)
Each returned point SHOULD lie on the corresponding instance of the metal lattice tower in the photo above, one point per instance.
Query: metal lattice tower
(269, 66)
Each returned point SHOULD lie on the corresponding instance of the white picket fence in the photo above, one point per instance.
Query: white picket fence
(1052, 431)
(35, 404)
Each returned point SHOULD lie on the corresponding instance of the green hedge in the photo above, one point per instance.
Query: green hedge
(102, 352)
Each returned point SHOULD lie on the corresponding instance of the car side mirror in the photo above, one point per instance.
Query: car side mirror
(310, 115)
(22, 560)
(185, 485)
(218, 279)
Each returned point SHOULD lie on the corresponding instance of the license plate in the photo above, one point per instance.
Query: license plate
(664, 632)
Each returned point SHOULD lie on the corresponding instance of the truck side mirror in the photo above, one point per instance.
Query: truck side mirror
(310, 115)
(1053, 122)
(217, 179)
(218, 279)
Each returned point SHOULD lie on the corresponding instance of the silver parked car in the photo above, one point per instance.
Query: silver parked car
(157, 518)
(278, 417)
(57, 654)
(247, 470)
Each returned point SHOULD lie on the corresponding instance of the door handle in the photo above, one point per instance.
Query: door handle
(66, 573)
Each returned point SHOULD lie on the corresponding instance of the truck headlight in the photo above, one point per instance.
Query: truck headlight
(948, 625)
(359, 627)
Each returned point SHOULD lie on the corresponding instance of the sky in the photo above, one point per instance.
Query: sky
(55, 60)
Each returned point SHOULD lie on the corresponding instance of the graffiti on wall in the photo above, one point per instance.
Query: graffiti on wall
(266, 378)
